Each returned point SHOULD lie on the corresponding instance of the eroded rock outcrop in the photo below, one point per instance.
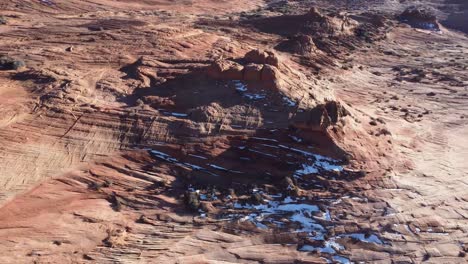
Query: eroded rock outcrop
(314, 22)
(315, 111)
(255, 66)
(420, 17)
(262, 57)
(320, 117)
(299, 44)
(225, 69)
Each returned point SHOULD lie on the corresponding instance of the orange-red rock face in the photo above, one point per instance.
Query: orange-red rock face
(229, 132)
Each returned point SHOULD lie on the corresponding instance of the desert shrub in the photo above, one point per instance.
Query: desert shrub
(8, 63)
(256, 198)
(116, 203)
(192, 201)
(3, 20)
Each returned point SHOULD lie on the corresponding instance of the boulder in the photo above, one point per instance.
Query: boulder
(225, 69)
(320, 117)
(146, 75)
(208, 113)
(256, 198)
(208, 207)
(234, 72)
(269, 73)
(315, 12)
(256, 56)
(252, 72)
(272, 59)
(216, 69)
(298, 44)
(262, 57)
(158, 102)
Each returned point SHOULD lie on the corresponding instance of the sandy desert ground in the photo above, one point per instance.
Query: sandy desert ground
(243, 131)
